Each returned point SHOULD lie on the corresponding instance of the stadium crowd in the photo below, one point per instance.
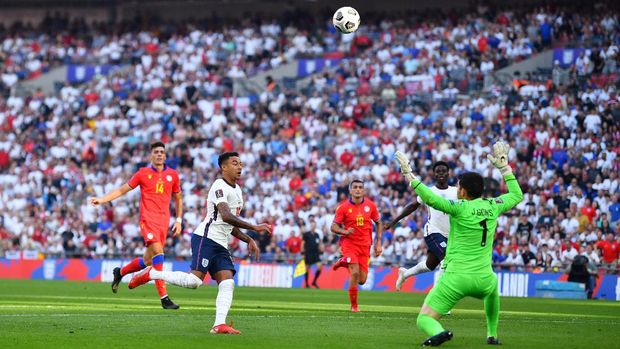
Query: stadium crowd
(472, 43)
(302, 147)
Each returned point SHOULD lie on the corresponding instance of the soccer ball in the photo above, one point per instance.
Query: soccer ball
(346, 20)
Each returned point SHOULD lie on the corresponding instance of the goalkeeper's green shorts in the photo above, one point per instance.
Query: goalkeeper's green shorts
(452, 287)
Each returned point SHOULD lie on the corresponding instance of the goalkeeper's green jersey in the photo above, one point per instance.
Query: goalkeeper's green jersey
(472, 225)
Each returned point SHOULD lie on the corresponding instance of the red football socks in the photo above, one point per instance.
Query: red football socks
(135, 265)
(353, 296)
(158, 264)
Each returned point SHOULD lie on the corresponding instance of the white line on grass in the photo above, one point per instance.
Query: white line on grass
(572, 321)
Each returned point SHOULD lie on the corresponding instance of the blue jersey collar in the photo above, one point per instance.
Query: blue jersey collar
(155, 169)
(353, 203)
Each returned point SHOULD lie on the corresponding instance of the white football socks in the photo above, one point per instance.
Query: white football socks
(178, 278)
(223, 300)
(417, 269)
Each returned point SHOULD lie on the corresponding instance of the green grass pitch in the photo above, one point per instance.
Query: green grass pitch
(58, 314)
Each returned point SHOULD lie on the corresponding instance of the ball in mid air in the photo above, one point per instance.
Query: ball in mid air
(346, 20)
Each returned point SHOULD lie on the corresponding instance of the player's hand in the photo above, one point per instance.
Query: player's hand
(405, 168)
(253, 249)
(176, 229)
(95, 201)
(348, 232)
(388, 225)
(378, 250)
(263, 228)
(499, 159)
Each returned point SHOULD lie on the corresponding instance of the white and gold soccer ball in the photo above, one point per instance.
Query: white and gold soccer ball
(346, 19)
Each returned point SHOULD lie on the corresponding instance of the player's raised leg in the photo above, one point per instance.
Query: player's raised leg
(136, 264)
(436, 244)
(154, 256)
(191, 280)
(194, 279)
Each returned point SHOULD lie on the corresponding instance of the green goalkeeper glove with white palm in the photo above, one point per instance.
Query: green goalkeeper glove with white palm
(405, 168)
(499, 159)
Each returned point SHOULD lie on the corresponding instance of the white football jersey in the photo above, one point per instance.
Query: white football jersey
(439, 222)
(213, 226)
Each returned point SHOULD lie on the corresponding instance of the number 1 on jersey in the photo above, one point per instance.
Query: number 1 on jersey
(483, 224)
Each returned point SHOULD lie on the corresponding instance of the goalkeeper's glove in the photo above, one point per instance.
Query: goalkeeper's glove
(405, 168)
(499, 159)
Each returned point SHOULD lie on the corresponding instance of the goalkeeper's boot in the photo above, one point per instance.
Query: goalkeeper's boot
(167, 303)
(340, 264)
(437, 339)
(224, 329)
(117, 279)
(493, 341)
(401, 278)
(140, 278)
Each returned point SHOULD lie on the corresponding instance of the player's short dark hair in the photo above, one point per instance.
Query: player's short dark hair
(158, 144)
(473, 183)
(225, 156)
(441, 163)
(355, 181)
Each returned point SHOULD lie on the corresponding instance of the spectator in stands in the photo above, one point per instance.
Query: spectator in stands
(293, 246)
(609, 250)
(417, 90)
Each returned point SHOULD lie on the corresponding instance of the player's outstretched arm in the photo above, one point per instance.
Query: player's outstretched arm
(513, 197)
(499, 159)
(253, 249)
(409, 209)
(116, 193)
(228, 217)
(433, 200)
(428, 197)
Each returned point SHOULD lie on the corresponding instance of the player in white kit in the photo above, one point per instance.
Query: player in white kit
(210, 243)
(436, 228)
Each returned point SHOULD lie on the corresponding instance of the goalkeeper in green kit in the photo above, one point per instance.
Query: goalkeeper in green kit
(467, 270)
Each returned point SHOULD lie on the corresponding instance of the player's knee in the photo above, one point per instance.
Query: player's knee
(419, 320)
(355, 275)
(228, 285)
(194, 281)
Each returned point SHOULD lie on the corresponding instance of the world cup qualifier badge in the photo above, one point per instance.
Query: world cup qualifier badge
(219, 193)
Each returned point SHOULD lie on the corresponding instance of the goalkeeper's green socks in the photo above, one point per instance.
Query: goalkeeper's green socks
(429, 325)
(491, 310)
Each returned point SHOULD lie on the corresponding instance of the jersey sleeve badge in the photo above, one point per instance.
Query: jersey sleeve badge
(219, 193)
